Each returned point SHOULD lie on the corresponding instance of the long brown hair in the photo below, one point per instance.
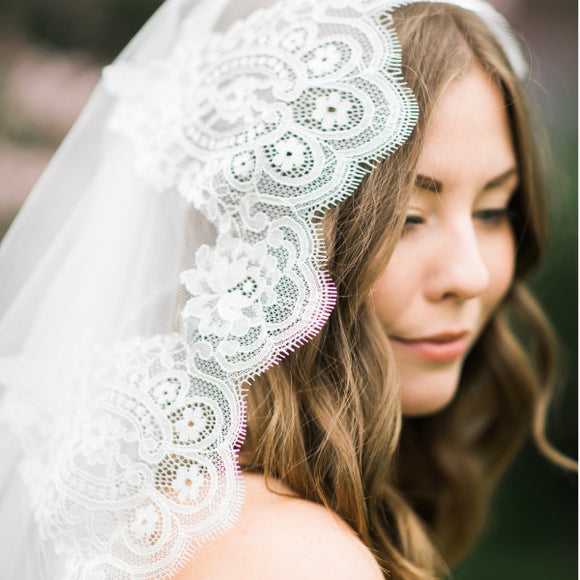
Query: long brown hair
(327, 421)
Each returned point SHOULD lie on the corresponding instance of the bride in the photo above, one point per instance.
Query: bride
(257, 318)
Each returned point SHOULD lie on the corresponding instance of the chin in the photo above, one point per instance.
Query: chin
(427, 395)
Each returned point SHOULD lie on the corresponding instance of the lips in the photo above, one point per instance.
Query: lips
(442, 347)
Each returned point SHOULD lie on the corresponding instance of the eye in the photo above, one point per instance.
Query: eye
(494, 216)
(411, 221)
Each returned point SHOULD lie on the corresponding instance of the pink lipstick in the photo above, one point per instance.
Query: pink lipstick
(443, 347)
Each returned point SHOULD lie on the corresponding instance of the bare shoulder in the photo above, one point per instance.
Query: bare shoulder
(284, 538)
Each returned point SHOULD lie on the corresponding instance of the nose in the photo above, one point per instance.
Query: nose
(458, 269)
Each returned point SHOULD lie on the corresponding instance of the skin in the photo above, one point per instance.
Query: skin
(455, 261)
(279, 535)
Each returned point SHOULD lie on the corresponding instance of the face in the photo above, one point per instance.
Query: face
(455, 260)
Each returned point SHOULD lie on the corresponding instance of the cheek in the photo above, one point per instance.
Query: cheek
(499, 256)
(394, 290)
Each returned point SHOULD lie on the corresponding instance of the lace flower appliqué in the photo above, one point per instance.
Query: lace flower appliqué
(332, 111)
(145, 523)
(192, 424)
(289, 154)
(187, 482)
(230, 287)
(324, 60)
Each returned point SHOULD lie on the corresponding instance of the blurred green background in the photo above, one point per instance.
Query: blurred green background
(50, 55)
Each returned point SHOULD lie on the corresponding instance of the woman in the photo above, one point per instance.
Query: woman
(448, 272)
(386, 391)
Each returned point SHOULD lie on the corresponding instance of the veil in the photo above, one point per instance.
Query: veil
(169, 254)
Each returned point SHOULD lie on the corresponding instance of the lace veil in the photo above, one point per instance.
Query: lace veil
(169, 254)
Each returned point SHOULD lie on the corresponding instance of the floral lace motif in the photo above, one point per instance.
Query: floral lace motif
(261, 129)
(137, 459)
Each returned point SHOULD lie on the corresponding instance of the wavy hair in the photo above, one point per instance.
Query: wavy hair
(327, 422)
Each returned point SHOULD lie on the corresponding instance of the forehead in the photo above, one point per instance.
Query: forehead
(469, 131)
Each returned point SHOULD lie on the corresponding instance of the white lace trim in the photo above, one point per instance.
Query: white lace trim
(261, 129)
(130, 460)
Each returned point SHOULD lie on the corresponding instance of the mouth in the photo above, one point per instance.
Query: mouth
(442, 347)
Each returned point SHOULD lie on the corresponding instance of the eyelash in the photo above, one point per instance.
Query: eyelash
(489, 217)
(411, 221)
(495, 216)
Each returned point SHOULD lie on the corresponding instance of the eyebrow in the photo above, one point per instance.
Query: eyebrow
(424, 182)
(436, 186)
(500, 179)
